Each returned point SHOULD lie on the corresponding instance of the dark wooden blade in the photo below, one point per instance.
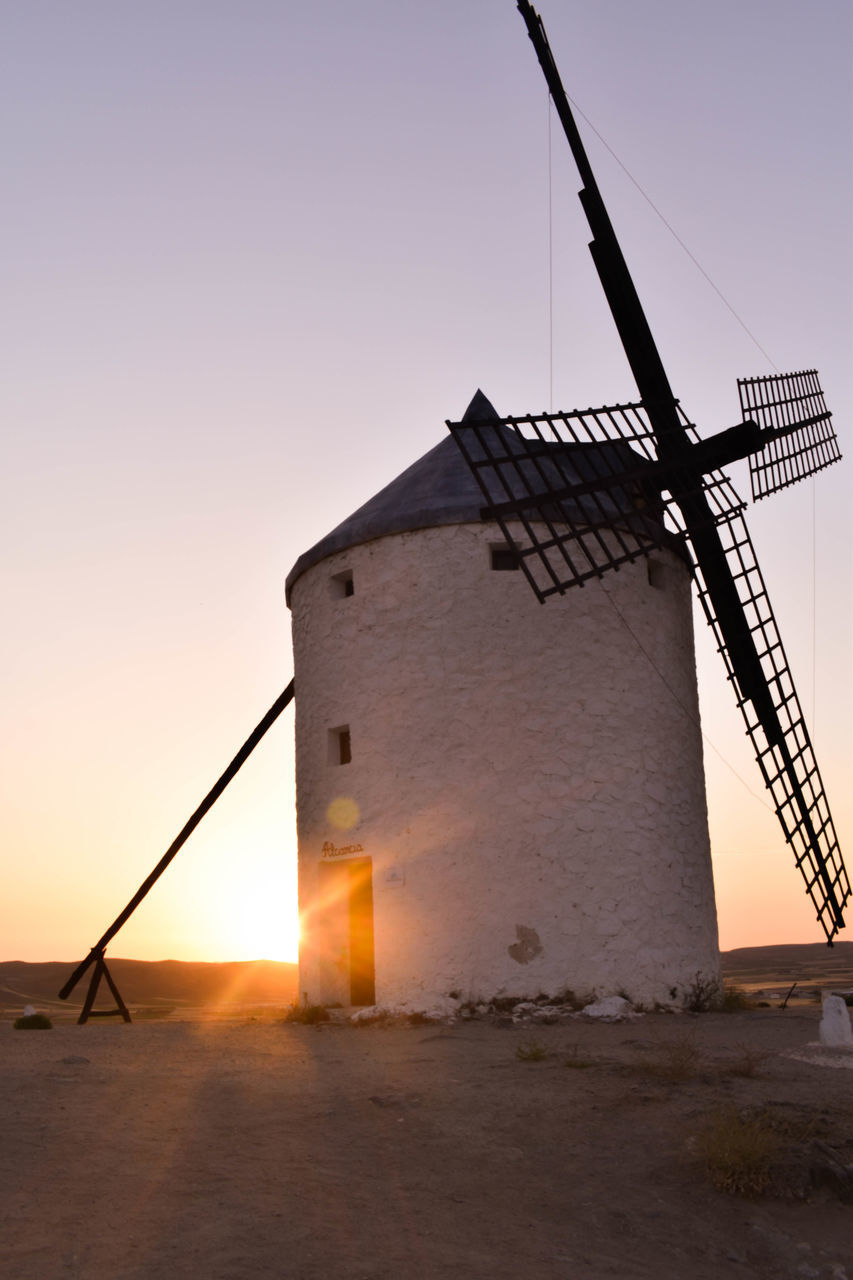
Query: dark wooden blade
(796, 427)
(616, 280)
(774, 722)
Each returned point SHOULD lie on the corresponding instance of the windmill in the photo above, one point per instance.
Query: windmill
(383, 855)
(664, 477)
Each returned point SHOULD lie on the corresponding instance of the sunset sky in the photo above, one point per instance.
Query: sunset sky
(253, 256)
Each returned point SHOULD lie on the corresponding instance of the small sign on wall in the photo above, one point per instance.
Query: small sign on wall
(394, 875)
(341, 850)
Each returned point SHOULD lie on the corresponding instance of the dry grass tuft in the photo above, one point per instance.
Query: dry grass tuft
(531, 1051)
(738, 1152)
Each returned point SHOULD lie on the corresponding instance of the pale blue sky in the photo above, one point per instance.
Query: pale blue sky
(253, 256)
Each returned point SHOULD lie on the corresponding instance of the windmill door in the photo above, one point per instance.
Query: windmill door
(346, 891)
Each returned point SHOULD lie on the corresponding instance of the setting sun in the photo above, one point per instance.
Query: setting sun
(265, 928)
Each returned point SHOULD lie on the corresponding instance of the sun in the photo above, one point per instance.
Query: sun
(266, 928)
(244, 904)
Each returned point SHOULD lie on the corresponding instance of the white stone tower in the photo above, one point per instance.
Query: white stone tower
(494, 797)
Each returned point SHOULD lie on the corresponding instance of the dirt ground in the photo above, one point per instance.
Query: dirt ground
(254, 1148)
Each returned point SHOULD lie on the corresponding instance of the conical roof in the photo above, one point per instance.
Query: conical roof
(438, 489)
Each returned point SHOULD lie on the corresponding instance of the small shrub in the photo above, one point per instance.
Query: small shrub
(309, 1014)
(33, 1022)
(707, 995)
(531, 1051)
(738, 1152)
(703, 995)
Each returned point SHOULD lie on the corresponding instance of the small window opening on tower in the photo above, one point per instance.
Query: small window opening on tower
(504, 558)
(657, 573)
(340, 745)
(342, 584)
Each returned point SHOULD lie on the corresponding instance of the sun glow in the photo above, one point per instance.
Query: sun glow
(265, 930)
(253, 916)
(231, 895)
(241, 873)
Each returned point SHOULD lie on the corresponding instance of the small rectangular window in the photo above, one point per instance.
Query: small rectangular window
(340, 745)
(657, 574)
(504, 558)
(342, 584)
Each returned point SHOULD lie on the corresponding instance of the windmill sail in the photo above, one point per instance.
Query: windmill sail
(590, 491)
(584, 492)
(778, 732)
(579, 494)
(796, 424)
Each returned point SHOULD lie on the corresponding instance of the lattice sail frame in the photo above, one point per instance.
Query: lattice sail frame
(792, 407)
(810, 831)
(589, 479)
(592, 479)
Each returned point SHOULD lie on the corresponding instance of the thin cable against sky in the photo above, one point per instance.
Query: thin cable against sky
(675, 235)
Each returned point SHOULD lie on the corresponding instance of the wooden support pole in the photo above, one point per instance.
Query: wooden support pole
(96, 955)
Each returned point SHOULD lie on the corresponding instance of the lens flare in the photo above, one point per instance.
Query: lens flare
(343, 813)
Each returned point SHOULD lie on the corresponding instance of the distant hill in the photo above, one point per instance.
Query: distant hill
(166, 985)
(151, 984)
(811, 964)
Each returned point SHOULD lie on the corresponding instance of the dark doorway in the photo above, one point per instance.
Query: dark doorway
(346, 889)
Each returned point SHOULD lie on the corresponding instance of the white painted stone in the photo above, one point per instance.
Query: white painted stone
(368, 1013)
(835, 1029)
(610, 1009)
(535, 784)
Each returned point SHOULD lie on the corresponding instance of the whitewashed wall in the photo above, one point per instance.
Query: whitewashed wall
(528, 785)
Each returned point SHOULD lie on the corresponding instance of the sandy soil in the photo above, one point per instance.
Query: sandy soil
(251, 1148)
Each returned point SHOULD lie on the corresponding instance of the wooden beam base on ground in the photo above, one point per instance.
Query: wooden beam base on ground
(121, 1009)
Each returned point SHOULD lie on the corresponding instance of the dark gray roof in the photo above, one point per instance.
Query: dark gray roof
(440, 488)
(437, 489)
